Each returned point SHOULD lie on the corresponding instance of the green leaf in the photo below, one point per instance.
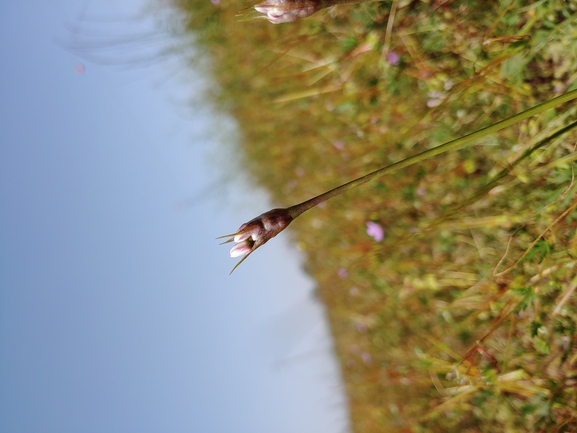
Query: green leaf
(540, 250)
(535, 325)
(542, 346)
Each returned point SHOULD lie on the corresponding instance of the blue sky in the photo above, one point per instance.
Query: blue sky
(117, 313)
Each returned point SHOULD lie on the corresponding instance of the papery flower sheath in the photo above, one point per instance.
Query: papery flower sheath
(257, 232)
(287, 11)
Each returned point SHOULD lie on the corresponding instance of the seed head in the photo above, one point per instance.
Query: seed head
(287, 11)
(257, 232)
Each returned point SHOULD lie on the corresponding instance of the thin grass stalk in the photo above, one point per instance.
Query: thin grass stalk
(261, 229)
(451, 145)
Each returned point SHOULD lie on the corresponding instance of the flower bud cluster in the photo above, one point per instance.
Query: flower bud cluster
(257, 232)
(287, 11)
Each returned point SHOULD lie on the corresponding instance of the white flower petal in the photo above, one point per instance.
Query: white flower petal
(240, 250)
(242, 237)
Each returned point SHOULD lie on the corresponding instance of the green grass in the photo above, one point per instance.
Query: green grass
(464, 317)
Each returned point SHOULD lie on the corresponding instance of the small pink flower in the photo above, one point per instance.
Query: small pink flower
(393, 58)
(342, 272)
(339, 144)
(436, 98)
(376, 231)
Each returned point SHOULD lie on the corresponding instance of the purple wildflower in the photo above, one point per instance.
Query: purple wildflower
(376, 231)
(393, 58)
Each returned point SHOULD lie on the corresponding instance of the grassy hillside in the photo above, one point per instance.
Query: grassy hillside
(463, 318)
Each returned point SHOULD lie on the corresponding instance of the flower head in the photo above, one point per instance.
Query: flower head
(257, 232)
(393, 58)
(287, 11)
(376, 231)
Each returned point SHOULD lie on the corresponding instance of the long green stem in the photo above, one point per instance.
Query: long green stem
(458, 143)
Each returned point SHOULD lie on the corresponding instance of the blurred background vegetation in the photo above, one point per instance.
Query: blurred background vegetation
(463, 318)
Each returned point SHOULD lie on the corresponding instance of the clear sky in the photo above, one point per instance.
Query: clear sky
(117, 313)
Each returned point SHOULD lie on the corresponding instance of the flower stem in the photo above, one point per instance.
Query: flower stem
(458, 143)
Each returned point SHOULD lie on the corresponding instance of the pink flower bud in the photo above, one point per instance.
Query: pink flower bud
(240, 249)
